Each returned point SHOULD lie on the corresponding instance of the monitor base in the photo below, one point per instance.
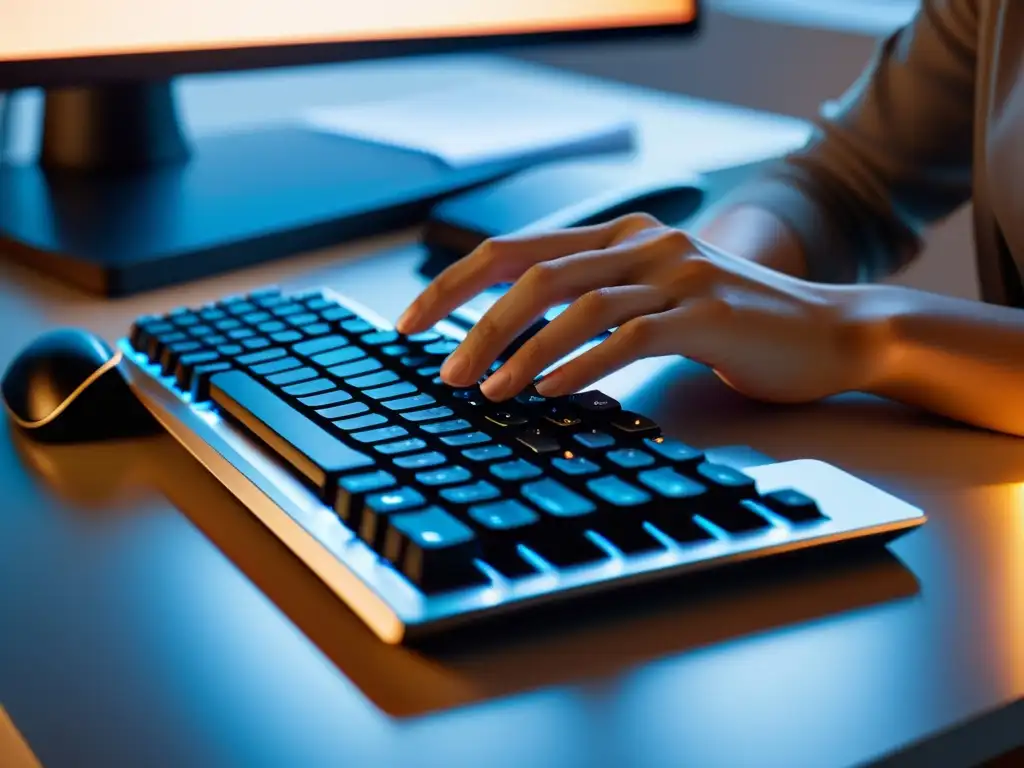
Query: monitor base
(120, 203)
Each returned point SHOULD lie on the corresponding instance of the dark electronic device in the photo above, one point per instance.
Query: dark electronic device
(66, 387)
(424, 507)
(557, 196)
(122, 200)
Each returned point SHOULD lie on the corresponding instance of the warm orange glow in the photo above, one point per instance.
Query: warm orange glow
(61, 28)
(568, 454)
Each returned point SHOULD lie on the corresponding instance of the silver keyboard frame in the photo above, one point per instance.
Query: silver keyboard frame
(396, 611)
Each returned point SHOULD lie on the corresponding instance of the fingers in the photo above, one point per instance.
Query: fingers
(543, 286)
(496, 261)
(687, 330)
(591, 314)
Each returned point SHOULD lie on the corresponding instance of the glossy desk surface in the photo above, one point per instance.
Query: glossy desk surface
(146, 620)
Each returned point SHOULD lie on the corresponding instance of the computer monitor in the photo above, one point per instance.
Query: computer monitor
(120, 200)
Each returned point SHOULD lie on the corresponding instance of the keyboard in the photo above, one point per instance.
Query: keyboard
(424, 507)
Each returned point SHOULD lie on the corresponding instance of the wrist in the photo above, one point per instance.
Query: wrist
(867, 323)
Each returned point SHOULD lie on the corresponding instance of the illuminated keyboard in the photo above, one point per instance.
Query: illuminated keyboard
(424, 507)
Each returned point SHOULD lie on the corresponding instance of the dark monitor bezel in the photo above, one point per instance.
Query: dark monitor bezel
(90, 70)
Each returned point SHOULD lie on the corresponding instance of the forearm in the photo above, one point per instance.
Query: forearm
(956, 358)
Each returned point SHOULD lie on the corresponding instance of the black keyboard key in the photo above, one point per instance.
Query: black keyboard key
(187, 363)
(677, 499)
(344, 411)
(675, 451)
(447, 427)
(291, 377)
(352, 492)
(263, 356)
(365, 421)
(372, 436)
(377, 507)
(172, 352)
(473, 493)
(312, 451)
(276, 366)
(441, 348)
(374, 380)
(444, 476)
(431, 414)
(594, 402)
(418, 461)
(464, 439)
(336, 314)
(630, 458)
(514, 471)
(357, 368)
(286, 337)
(402, 447)
(199, 387)
(557, 500)
(378, 338)
(256, 342)
(735, 518)
(421, 400)
(305, 318)
(594, 439)
(327, 398)
(338, 356)
(794, 506)
(321, 344)
(143, 328)
(311, 387)
(433, 550)
(398, 389)
(618, 492)
(539, 441)
(561, 416)
(529, 398)
(501, 525)
(505, 417)
(487, 453)
(576, 466)
(726, 482)
(357, 326)
(634, 424)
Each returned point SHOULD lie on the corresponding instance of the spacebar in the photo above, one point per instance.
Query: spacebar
(312, 451)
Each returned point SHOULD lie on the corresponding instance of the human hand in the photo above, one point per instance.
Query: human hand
(770, 336)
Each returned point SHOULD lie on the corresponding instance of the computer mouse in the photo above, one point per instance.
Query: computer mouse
(66, 386)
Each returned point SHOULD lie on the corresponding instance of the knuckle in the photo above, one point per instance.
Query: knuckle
(596, 302)
(638, 220)
(637, 334)
(541, 276)
(695, 273)
(673, 239)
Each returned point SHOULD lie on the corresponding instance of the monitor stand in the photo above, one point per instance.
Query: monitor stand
(121, 202)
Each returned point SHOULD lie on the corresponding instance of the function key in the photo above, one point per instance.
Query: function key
(433, 550)
(633, 423)
(593, 401)
(793, 505)
(675, 451)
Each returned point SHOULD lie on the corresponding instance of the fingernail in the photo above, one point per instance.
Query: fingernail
(548, 386)
(455, 368)
(496, 385)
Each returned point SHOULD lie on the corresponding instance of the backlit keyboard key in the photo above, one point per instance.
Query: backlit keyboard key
(557, 500)
(675, 451)
(377, 507)
(325, 399)
(512, 471)
(470, 494)
(401, 447)
(432, 549)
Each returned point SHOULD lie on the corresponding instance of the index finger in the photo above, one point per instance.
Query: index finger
(497, 261)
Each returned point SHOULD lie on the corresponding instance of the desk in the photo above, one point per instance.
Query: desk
(147, 620)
